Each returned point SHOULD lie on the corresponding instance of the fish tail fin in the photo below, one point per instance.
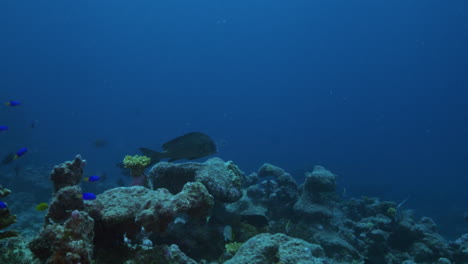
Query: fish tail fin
(153, 155)
(7, 104)
(15, 157)
(86, 179)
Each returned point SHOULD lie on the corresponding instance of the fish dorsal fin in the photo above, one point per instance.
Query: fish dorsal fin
(153, 155)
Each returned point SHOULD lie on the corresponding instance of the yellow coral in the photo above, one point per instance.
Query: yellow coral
(137, 164)
(136, 161)
(233, 247)
(392, 211)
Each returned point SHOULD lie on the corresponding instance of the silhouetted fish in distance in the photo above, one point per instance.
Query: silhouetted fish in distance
(34, 123)
(8, 158)
(100, 143)
(190, 146)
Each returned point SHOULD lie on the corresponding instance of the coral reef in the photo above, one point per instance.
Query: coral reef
(213, 213)
(67, 235)
(383, 239)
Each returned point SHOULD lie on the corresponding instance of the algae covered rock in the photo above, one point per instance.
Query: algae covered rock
(161, 255)
(156, 213)
(222, 179)
(68, 173)
(271, 198)
(15, 250)
(320, 180)
(68, 234)
(336, 247)
(63, 203)
(460, 246)
(128, 209)
(281, 190)
(71, 242)
(317, 195)
(278, 248)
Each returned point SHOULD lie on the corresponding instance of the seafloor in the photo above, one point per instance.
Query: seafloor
(212, 212)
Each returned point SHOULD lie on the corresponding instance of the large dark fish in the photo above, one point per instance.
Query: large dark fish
(189, 146)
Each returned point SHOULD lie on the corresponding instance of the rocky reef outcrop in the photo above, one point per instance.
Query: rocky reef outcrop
(317, 196)
(278, 248)
(270, 194)
(213, 213)
(69, 173)
(222, 179)
(145, 208)
(74, 227)
(68, 232)
(70, 242)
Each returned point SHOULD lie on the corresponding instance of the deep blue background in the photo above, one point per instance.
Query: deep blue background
(375, 91)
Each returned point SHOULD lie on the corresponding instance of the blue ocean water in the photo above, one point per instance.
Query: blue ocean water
(375, 91)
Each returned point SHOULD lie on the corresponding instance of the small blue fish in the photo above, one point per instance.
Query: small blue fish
(3, 205)
(88, 196)
(93, 178)
(3, 128)
(13, 103)
(20, 153)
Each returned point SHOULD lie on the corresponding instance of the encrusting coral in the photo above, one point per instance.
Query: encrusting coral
(67, 236)
(137, 165)
(71, 242)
